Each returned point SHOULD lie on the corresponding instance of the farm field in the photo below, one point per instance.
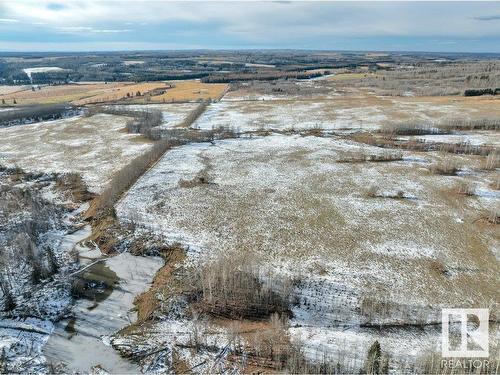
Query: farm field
(172, 114)
(294, 208)
(4, 89)
(237, 169)
(120, 92)
(58, 94)
(354, 110)
(192, 90)
(90, 93)
(94, 146)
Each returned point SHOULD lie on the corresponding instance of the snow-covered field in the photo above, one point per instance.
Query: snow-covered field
(94, 146)
(358, 111)
(363, 243)
(173, 114)
(287, 115)
(288, 202)
(42, 69)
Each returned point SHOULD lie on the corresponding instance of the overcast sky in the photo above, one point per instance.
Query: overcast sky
(82, 25)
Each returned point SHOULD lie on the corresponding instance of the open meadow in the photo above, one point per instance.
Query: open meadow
(94, 146)
(352, 238)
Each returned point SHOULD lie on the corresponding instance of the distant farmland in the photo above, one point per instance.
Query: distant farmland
(92, 93)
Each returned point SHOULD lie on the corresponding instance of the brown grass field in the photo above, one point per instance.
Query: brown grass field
(121, 92)
(81, 94)
(59, 94)
(347, 76)
(191, 90)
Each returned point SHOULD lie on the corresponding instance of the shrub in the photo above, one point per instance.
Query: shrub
(361, 157)
(479, 92)
(446, 167)
(197, 181)
(496, 183)
(466, 188)
(447, 125)
(411, 128)
(144, 121)
(492, 161)
(400, 194)
(372, 192)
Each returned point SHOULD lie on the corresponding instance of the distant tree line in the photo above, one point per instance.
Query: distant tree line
(262, 76)
(152, 76)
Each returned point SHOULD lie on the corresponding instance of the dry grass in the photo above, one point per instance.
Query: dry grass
(147, 303)
(324, 197)
(493, 217)
(349, 76)
(128, 91)
(59, 94)
(361, 157)
(492, 161)
(92, 146)
(373, 192)
(496, 182)
(465, 188)
(5, 89)
(446, 167)
(192, 90)
(81, 94)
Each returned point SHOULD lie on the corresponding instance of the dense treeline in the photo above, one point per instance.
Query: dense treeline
(36, 113)
(479, 92)
(193, 115)
(28, 253)
(54, 77)
(264, 76)
(148, 76)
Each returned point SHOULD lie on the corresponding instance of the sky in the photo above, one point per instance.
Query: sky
(100, 25)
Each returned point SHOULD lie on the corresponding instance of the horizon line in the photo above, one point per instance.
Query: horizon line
(251, 49)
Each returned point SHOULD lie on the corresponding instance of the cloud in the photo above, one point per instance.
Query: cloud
(488, 18)
(89, 29)
(111, 31)
(93, 46)
(8, 20)
(257, 23)
(55, 6)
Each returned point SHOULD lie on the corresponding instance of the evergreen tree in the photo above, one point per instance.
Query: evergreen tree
(372, 363)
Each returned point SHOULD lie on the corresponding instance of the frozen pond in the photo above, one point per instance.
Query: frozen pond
(80, 342)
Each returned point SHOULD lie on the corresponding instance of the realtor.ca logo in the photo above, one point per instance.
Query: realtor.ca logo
(465, 333)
